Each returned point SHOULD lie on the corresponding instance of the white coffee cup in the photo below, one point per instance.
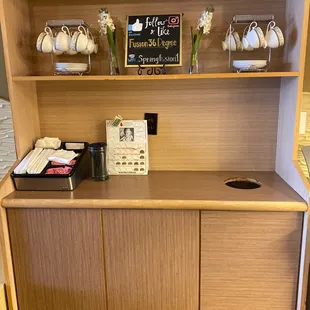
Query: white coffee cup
(90, 45)
(55, 51)
(71, 51)
(45, 41)
(63, 39)
(274, 36)
(245, 43)
(79, 40)
(232, 41)
(255, 36)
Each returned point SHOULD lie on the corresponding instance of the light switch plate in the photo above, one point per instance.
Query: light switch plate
(152, 123)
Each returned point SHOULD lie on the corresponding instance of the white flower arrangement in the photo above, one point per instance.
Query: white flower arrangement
(107, 28)
(205, 22)
(203, 28)
(105, 20)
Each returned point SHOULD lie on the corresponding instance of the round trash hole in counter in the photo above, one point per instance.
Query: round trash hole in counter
(243, 183)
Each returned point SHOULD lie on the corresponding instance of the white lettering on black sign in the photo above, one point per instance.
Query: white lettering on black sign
(154, 40)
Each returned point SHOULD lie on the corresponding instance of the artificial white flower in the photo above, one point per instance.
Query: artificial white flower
(104, 21)
(205, 22)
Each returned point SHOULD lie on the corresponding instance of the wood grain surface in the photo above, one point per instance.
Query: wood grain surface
(6, 187)
(168, 190)
(249, 260)
(208, 125)
(3, 304)
(137, 78)
(25, 116)
(18, 60)
(152, 259)
(17, 37)
(304, 264)
(58, 259)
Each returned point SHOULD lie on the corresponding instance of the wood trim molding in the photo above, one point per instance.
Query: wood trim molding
(6, 187)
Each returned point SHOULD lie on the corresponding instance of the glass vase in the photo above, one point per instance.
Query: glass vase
(113, 63)
(194, 64)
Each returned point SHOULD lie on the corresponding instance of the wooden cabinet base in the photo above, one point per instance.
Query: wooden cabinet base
(155, 259)
(152, 259)
(249, 260)
(58, 259)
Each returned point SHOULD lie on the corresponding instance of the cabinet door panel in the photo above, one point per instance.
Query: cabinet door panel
(249, 260)
(152, 259)
(58, 259)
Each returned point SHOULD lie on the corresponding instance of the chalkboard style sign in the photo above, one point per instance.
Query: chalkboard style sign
(154, 40)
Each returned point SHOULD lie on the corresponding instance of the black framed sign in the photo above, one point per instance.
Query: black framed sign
(154, 40)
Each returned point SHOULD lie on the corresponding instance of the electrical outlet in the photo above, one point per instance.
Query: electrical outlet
(152, 122)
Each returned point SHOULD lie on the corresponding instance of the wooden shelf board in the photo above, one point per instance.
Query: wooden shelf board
(156, 77)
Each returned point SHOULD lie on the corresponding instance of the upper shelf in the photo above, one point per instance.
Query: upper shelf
(156, 77)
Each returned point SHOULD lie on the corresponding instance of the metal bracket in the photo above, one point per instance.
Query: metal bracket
(153, 70)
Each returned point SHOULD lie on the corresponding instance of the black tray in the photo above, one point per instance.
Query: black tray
(55, 182)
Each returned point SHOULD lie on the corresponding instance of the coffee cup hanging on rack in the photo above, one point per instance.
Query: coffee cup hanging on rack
(70, 51)
(255, 36)
(45, 41)
(90, 44)
(55, 51)
(232, 41)
(79, 40)
(274, 36)
(63, 39)
(245, 43)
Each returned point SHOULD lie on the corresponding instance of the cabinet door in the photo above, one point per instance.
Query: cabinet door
(152, 259)
(58, 259)
(249, 260)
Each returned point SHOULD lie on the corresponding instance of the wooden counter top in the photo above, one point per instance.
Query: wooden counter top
(168, 190)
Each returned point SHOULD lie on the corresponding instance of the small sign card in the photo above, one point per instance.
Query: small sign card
(127, 148)
(154, 40)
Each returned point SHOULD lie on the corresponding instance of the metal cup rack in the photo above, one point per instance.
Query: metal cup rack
(56, 25)
(246, 20)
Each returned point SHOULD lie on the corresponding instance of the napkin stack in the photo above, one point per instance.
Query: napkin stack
(62, 156)
(48, 143)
